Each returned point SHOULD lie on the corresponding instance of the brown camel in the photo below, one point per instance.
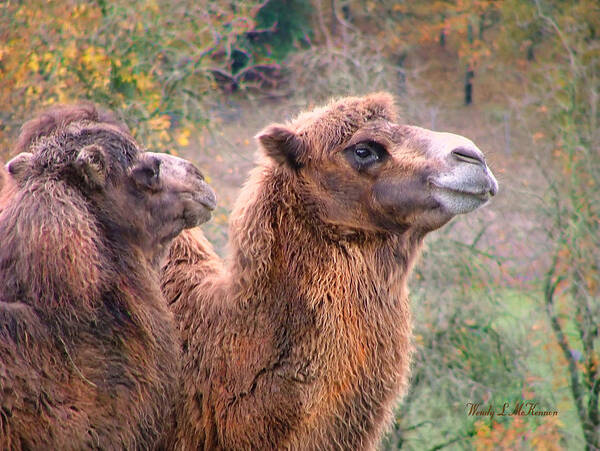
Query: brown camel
(89, 352)
(301, 339)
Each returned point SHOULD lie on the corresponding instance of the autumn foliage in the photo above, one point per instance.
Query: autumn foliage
(149, 60)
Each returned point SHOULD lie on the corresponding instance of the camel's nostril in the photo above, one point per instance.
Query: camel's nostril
(468, 155)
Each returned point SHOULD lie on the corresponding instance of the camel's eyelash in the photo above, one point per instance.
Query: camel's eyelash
(374, 145)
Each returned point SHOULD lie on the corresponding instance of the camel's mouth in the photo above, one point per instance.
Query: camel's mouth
(459, 202)
(195, 214)
(209, 202)
(198, 207)
(463, 191)
(206, 196)
(483, 195)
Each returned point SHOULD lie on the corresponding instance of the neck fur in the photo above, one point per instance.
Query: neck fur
(50, 249)
(276, 240)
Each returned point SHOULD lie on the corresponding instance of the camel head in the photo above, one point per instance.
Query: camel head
(139, 197)
(363, 171)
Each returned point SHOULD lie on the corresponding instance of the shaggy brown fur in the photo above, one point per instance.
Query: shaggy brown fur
(3, 176)
(88, 348)
(7, 187)
(4, 179)
(301, 340)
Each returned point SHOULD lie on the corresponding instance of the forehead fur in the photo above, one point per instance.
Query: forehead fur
(332, 125)
(56, 136)
(59, 117)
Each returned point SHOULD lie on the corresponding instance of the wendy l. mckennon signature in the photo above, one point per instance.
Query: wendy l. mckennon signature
(520, 408)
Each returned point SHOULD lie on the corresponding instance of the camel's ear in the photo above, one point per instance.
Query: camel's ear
(19, 166)
(91, 165)
(282, 145)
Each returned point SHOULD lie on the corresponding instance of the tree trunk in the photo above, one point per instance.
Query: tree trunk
(469, 86)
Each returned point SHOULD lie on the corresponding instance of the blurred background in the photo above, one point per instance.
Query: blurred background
(506, 300)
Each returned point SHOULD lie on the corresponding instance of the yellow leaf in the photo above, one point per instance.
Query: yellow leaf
(183, 137)
(143, 82)
(164, 136)
(34, 64)
(153, 6)
(160, 123)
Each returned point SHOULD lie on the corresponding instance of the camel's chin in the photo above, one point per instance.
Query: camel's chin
(195, 215)
(460, 202)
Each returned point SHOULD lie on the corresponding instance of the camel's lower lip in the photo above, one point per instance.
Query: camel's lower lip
(482, 195)
(199, 217)
(207, 197)
(196, 213)
(459, 200)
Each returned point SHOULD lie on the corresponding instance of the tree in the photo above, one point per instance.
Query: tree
(571, 285)
(151, 60)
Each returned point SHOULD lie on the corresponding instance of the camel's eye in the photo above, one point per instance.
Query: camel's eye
(363, 155)
(153, 170)
(147, 174)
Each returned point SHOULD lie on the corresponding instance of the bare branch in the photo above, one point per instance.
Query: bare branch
(550, 285)
(560, 35)
(322, 26)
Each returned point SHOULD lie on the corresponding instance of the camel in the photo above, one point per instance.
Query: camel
(89, 353)
(301, 338)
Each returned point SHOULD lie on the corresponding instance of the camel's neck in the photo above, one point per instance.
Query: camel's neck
(53, 254)
(49, 249)
(279, 246)
(331, 307)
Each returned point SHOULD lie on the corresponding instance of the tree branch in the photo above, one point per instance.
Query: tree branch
(550, 285)
(560, 34)
(454, 440)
